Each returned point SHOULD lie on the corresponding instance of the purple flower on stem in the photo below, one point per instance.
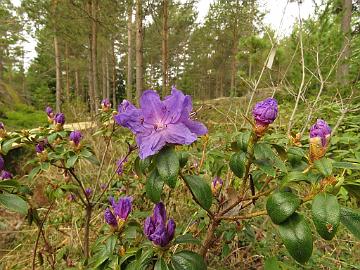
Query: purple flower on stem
(49, 111)
(39, 148)
(158, 123)
(105, 104)
(71, 197)
(88, 192)
(157, 228)
(2, 125)
(103, 186)
(216, 184)
(59, 118)
(265, 112)
(75, 137)
(320, 134)
(5, 175)
(120, 211)
(321, 130)
(2, 163)
(120, 166)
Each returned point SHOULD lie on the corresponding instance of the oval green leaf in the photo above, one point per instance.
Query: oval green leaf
(351, 219)
(168, 166)
(188, 260)
(200, 190)
(326, 215)
(14, 203)
(237, 163)
(154, 186)
(296, 235)
(281, 205)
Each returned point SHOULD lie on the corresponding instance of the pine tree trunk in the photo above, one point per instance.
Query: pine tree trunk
(342, 74)
(94, 6)
(165, 48)
(129, 56)
(90, 67)
(67, 72)
(77, 83)
(103, 77)
(114, 75)
(139, 50)
(107, 76)
(58, 74)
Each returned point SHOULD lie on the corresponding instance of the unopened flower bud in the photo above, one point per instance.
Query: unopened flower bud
(105, 105)
(59, 121)
(320, 134)
(265, 113)
(216, 185)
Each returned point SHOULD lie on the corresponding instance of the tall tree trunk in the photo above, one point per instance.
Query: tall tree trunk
(67, 72)
(165, 48)
(113, 75)
(103, 77)
(342, 74)
(94, 6)
(58, 73)
(90, 80)
(77, 83)
(107, 75)
(1, 63)
(129, 56)
(139, 50)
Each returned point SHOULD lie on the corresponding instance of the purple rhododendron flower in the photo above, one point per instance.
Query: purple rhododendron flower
(2, 163)
(322, 130)
(120, 210)
(39, 148)
(5, 175)
(120, 166)
(110, 218)
(2, 125)
(75, 136)
(103, 186)
(265, 112)
(216, 184)
(59, 118)
(157, 228)
(49, 111)
(106, 103)
(71, 197)
(158, 122)
(88, 192)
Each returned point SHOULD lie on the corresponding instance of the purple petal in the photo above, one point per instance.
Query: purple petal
(150, 144)
(159, 213)
(179, 134)
(5, 175)
(132, 119)
(175, 105)
(123, 208)
(196, 127)
(170, 229)
(149, 227)
(152, 107)
(160, 236)
(2, 163)
(110, 218)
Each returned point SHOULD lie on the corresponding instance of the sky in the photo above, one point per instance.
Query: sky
(273, 10)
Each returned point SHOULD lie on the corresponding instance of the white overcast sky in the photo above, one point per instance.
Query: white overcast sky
(273, 9)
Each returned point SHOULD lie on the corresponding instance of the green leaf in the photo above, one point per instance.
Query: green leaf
(293, 176)
(183, 158)
(237, 163)
(242, 141)
(168, 166)
(93, 159)
(9, 184)
(266, 159)
(188, 260)
(161, 265)
(34, 172)
(154, 186)
(8, 145)
(296, 235)
(351, 219)
(14, 203)
(71, 161)
(346, 165)
(281, 205)
(271, 264)
(187, 239)
(326, 215)
(200, 189)
(324, 166)
(51, 138)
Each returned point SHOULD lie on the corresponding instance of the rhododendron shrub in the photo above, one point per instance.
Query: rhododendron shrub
(170, 198)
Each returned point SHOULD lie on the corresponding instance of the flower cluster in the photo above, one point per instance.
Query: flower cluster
(88, 192)
(57, 119)
(50, 113)
(264, 113)
(119, 213)
(160, 122)
(157, 228)
(320, 134)
(75, 138)
(4, 175)
(216, 184)
(105, 105)
(41, 151)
